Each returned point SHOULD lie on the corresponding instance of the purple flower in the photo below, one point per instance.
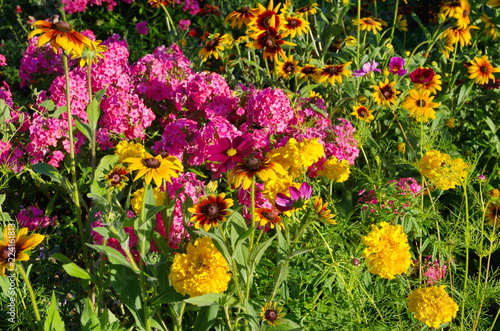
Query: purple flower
(296, 200)
(481, 177)
(396, 65)
(366, 69)
(142, 27)
(184, 24)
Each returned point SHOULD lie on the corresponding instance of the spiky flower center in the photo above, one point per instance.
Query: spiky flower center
(271, 315)
(333, 70)
(151, 163)
(62, 27)
(116, 178)
(293, 22)
(362, 112)
(484, 69)
(270, 216)
(386, 91)
(253, 163)
(7, 252)
(211, 211)
(288, 67)
(421, 103)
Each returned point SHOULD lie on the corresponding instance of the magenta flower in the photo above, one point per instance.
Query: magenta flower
(396, 65)
(229, 152)
(297, 199)
(434, 271)
(142, 28)
(366, 69)
(2, 60)
(184, 24)
(422, 75)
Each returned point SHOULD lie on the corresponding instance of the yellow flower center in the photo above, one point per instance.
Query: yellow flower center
(231, 152)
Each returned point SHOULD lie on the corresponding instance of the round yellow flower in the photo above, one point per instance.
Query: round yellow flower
(125, 149)
(295, 157)
(138, 196)
(388, 252)
(155, 168)
(432, 305)
(481, 70)
(441, 170)
(14, 249)
(335, 170)
(419, 104)
(385, 94)
(368, 24)
(201, 270)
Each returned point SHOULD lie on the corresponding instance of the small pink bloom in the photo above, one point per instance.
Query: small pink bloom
(184, 24)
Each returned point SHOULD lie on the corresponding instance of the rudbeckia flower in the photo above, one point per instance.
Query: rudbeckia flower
(243, 174)
(240, 16)
(210, 211)
(385, 94)
(271, 41)
(60, 35)
(481, 70)
(13, 247)
(272, 314)
(155, 168)
(362, 113)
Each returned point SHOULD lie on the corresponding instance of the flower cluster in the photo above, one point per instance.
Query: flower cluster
(201, 270)
(432, 306)
(34, 218)
(388, 252)
(441, 170)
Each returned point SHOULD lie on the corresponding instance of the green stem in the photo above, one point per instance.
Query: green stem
(358, 35)
(467, 245)
(395, 19)
(74, 183)
(30, 290)
(93, 138)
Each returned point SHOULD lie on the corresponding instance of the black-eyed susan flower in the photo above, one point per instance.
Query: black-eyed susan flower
(493, 215)
(449, 8)
(432, 306)
(215, 45)
(385, 94)
(60, 35)
(271, 41)
(363, 113)
(481, 70)
(241, 16)
(268, 218)
(159, 3)
(350, 41)
(369, 24)
(210, 211)
(272, 314)
(288, 68)
(13, 246)
(309, 9)
(294, 26)
(266, 18)
(388, 252)
(117, 177)
(201, 270)
(333, 73)
(322, 211)
(490, 28)
(457, 35)
(308, 71)
(493, 3)
(419, 104)
(155, 168)
(244, 172)
(462, 14)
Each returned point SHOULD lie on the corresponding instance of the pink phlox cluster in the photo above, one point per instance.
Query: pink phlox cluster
(308, 123)
(78, 92)
(158, 75)
(341, 143)
(245, 199)
(47, 135)
(3, 61)
(33, 218)
(6, 94)
(39, 64)
(11, 157)
(434, 271)
(177, 138)
(191, 6)
(269, 108)
(408, 186)
(74, 6)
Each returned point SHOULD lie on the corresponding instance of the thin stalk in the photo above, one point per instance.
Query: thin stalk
(467, 244)
(31, 292)
(178, 318)
(358, 34)
(74, 183)
(92, 139)
(395, 19)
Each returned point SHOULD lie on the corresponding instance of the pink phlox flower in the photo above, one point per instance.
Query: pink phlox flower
(2, 61)
(184, 24)
(366, 69)
(297, 197)
(34, 218)
(434, 270)
(396, 65)
(245, 199)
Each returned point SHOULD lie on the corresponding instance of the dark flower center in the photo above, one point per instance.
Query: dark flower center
(484, 69)
(253, 163)
(8, 253)
(421, 103)
(368, 22)
(495, 212)
(151, 163)
(333, 70)
(270, 216)
(270, 42)
(116, 178)
(288, 67)
(293, 22)
(212, 43)
(271, 315)
(243, 10)
(307, 70)
(443, 164)
(362, 112)
(465, 13)
(386, 92)
(62, 26)
(211, 211)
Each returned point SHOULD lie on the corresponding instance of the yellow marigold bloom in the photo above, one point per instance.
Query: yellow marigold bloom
(91, 55)
(388, 252)
(295, 157)
(494, 193)
(368, 24)
(489, 27)
(215, 45)
(419, 104)
(13, 246)
(155, 168)
(401, 147)
(432, 305)
(60, 35)
(288, 68)
(138, 197)
(457, 35)
(362, 113)
(322, 210)
(333, 73)
(335, 170)
(493, 214)
(201, 270)
(481, 70)
(125, 149)
(272, 314)
(280, 184)
(385, 94)
(441, 170)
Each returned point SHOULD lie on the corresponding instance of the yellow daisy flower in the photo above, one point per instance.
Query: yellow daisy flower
(155, 168)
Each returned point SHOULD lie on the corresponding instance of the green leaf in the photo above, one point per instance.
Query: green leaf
(48, 104)
(206, 318)
(114, 256)
(75, 271)
(58, 112)
(84, 128)
(49, 170)
(53, 322)
(167, 296)
(89, 319)
(93, 110)
(286, 324)
(205, 299)
(258, 251)
(60, 257)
